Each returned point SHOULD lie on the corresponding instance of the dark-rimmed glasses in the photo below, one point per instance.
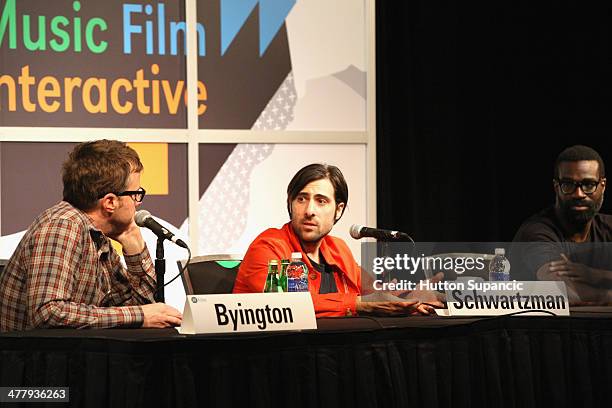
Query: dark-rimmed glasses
(588, 187)
(137, 195)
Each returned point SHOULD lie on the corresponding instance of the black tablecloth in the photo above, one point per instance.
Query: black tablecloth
(348, 362)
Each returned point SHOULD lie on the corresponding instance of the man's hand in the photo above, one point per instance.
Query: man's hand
(385, 304)
(568, 271)
(398, 302)
(581, 281)
(418, 294)
(386, 308)
(131, 240)
(431, 297)
(159, 315)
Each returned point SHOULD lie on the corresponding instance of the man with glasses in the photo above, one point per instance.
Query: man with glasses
(65, 273)
(579, 258)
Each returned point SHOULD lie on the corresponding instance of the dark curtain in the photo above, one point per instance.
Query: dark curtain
(500, 362)
(474, 102)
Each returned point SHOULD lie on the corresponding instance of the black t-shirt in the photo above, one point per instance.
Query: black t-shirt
(328, 280)
(545, 241)
(545, 226)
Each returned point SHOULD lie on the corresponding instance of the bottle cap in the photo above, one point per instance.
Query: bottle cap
(296, 255)
(500, 251)
(273, 262)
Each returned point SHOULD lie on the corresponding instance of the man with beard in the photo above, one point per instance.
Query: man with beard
(316, 199)
(579, 258)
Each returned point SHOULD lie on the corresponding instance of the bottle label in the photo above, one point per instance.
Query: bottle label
(297, 285)
(297, 277)
(499, 269)
(499, 276)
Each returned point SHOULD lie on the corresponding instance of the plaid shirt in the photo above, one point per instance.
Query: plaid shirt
(65, 273)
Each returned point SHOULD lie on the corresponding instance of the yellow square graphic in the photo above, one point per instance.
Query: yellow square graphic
(154, 157)
(117, 247)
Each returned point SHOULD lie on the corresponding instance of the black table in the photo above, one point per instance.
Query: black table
(348, 362)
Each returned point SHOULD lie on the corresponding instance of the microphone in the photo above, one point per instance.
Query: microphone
(144, 219)
(359, 231)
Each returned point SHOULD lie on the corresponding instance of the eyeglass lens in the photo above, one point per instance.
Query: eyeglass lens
(587, 187)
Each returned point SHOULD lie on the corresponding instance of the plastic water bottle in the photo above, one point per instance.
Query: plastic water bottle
(499, 268)
(297, 274)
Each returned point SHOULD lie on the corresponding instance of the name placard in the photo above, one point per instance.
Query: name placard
(248, 312)
(526, 298)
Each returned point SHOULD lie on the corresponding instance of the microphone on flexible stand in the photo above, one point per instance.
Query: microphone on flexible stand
(359, 231)
(144, 219)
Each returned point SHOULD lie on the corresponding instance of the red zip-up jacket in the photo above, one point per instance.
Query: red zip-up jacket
(276, 243)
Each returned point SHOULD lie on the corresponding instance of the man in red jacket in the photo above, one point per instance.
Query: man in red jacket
(316, 199)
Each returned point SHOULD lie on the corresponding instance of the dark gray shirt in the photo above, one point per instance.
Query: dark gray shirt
(328, 280)
(545, 242)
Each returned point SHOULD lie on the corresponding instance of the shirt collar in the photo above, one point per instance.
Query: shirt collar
(100, 240)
